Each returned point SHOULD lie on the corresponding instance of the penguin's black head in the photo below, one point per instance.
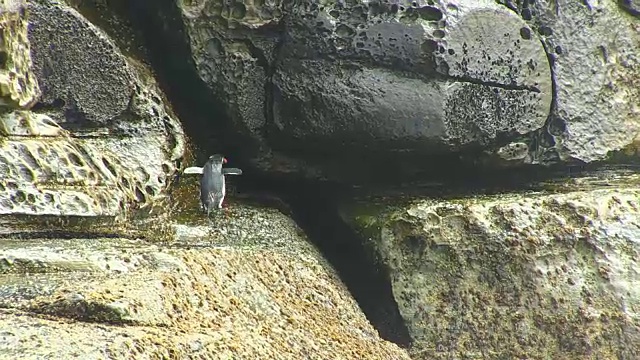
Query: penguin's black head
(217, 159)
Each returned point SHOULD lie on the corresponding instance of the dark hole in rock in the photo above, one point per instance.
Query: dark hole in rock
(452, 52)
(558, 50)
(545, 31)
(557, 126)
(430, 13)
(150, 191)
(26, 173)
(344, 30)
(109, 166)
(75, 159)
(125, 182)
(4, 57)
(443, 68)
(238, 11)
(58, 103)
(416, 243)
(28, 157)
(439, 34)
(102, 200)
(139, 195)
(525, 33)
(429, 46)
(48, 198)
(19, 196)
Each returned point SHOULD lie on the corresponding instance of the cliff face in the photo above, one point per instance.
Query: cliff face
(413, 183)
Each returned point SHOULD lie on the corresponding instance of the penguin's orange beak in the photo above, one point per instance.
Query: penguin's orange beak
(224, 160)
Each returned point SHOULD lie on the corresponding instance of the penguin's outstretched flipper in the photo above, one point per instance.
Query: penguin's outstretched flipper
(193, 170)
(231, 171)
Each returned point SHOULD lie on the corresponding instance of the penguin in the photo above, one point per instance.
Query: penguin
(212, 182)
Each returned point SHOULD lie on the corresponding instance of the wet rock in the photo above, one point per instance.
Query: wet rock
(99, 139)
(545, 274)
(205, 291)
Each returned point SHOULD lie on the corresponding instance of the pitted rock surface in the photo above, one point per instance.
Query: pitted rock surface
(101, 142)
(476, 71)
(632, 6)
(18, 85)
(399, 78)
(77, 66)
(536, 275)
(597, 75)
(215, 297)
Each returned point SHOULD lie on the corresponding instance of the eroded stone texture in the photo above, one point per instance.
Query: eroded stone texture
(472, 74)
(18, 84)
(596, 72)
(100, 142)
(331, 78)
(536, 275)
(267, 295)
(632, 6)
(232, 45)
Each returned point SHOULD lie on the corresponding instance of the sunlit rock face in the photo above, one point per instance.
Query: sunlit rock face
(84, 131)
(252, 287)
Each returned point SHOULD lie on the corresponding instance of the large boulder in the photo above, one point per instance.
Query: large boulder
(539, 275)
(329, 89)
(252, 288)
(85, 130)
(594, 51)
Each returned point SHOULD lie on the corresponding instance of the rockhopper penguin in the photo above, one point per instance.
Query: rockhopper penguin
(212, 183)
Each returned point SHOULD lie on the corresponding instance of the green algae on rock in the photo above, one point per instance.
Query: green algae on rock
(536, 275)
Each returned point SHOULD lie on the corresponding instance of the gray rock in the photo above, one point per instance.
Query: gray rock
(100, 141)
(18, 85)
(545, 274)
(632, 6)
(596, 74)
(465, 82)
(333, 78)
